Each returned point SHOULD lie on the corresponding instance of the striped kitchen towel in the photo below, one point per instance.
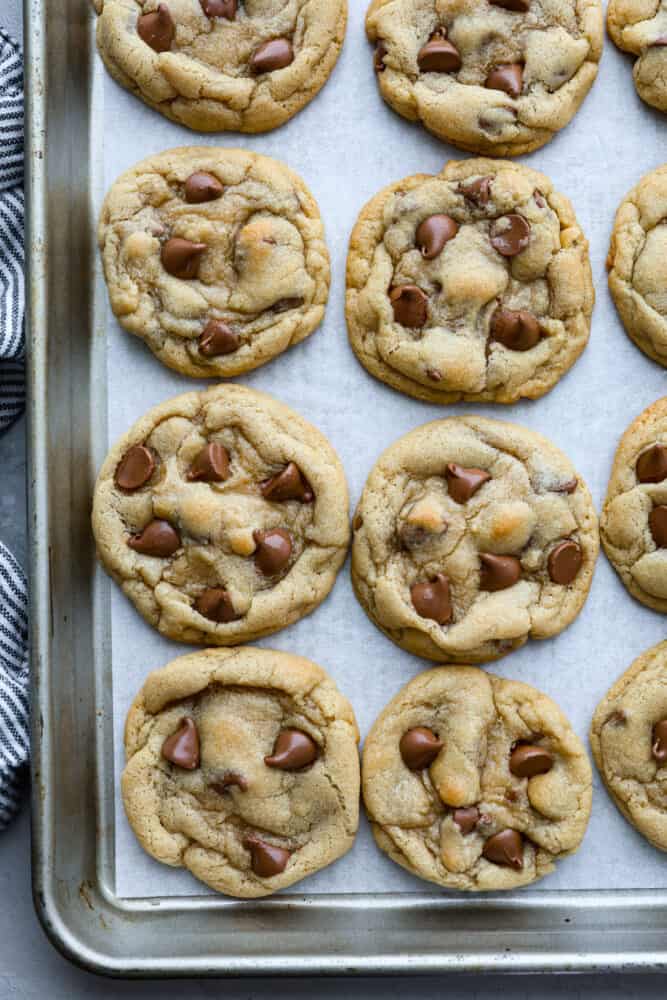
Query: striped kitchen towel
(14, 726)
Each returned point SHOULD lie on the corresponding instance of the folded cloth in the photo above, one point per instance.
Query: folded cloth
(14, 739)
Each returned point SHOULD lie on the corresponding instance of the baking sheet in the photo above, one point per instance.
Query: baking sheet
(347, 145)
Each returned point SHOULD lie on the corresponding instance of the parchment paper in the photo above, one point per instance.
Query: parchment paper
(348, 145)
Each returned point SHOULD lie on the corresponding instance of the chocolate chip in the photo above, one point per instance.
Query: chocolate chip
(498, 572)
(182, 747)
(217, 338)
(477, 190)
(463, 483)
(181, 257)
(439, 56)
(290, 484)
(216, 605)
(527, 760)
(266, 859)
(201, 187)
(659, 747)
(272, 55)
(466, 819)
(159, 538)
(419, 747)
(508, 77)
(292, 751)
(434, 374)
(570, 486)
(157, 29)
(519, 6)
(410, 306)
(274, 548)
(432, 600)
(220, 8)
(505, 848)
(565, 562)
(658, 525)
(229, 780)
(539, 199)
(135, 468)
(510, 235)
(652, 464)
(211, 465)
(433, 233)
(517, 330)
(659, 42)
(378, 57)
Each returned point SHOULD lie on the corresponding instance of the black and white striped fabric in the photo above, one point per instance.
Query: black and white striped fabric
(14, 728)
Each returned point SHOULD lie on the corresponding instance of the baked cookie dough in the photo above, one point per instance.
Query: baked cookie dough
(471, 536)
(633, 525)
(473, 284)
(242, 766)
(215, 258)
(490, 76)
(223, 515)
(222, 65)
(640, 27)
(629, 743)
(637, 264)
(475, 782)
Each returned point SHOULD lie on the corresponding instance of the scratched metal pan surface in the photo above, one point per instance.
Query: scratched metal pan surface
(607, 907)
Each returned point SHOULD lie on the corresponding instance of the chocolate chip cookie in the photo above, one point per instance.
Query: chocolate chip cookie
(222, 65)
(223, 515)
(471, 536)
(215, 258)
(633, 525)
(475, 782)
(640, 27)
(629, 743)
(490, 76)
(473, 284)
(242, 766)
(637, 264)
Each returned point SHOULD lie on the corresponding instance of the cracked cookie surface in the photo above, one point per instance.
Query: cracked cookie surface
(640, 27)
(636, 264)
(223, 515)
(629, 743)
(471, 536)
(215, 258)
(503, 793)
(497, 77)
(222, 65)
(207, 786)
(633, 524)
(472, 284)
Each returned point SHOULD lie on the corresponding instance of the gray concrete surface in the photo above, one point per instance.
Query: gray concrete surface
(30, 968)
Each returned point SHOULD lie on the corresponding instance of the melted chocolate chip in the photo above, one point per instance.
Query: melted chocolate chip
(290, 484)
(182, 747)
(419, 747)
(527, 760)
(439, 56)
(466, 819)
(217, 339)
(201, 187)
(659, 745)
(211, 465)
(433, 600)
(292, 751)
(274, 548)
(272, 55)
(378, 57)
(135, 468)
(519, 6)
(433, 233)
(570, 486)
(565, 561)
(181, 257)
(410, 306)
(517, 330)
(216, 605)
(498, 572)
(658, 525)
(652, 464)
(477, 190)
(508, 77)
(157, 29)
(505, 848)
(510, 235)
(229, 780)
(463, 483)
(266, 859)
(220, 8)
(158, 538)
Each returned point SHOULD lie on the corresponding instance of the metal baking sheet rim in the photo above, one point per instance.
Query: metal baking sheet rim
(335, 935)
